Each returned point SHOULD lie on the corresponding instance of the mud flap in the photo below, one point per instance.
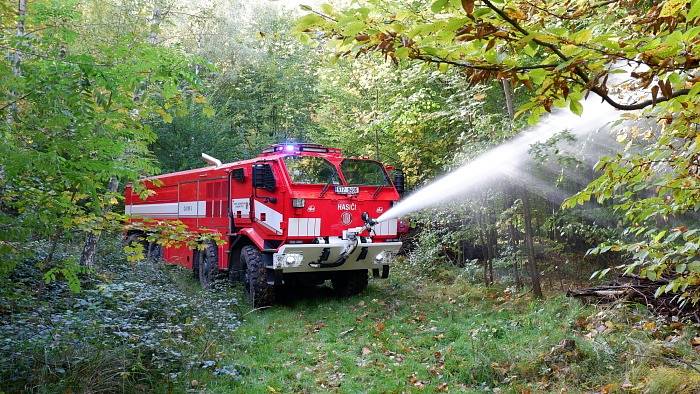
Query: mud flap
(274, 277)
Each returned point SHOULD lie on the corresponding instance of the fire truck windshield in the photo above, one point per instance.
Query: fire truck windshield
(363, 172)
(311, 170)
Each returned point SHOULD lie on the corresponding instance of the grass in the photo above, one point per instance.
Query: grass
(406, 336)
(402, 335)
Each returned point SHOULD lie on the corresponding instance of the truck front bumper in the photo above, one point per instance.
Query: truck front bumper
(293, 258)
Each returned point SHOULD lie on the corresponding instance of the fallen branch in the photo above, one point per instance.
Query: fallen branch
(639, 290)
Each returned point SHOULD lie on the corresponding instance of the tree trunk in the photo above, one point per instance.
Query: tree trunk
(484, 247)
(16, 58)
(156, 19)
(508, 93)
(87, 257)
(529, 246)
(513, 236)
(510, 108)
(493, 243)
(516, 263)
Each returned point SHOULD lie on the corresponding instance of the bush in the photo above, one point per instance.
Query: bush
(130, 326)
(425, 258)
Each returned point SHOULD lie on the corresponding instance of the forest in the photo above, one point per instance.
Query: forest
(548, 231)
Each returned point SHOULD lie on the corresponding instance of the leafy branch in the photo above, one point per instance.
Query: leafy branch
(599, 90)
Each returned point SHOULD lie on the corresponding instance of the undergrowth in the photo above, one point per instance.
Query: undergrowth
(131, 328)
(149, 327)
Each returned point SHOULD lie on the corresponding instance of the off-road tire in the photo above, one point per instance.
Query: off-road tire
(154, 252)
(260, 293)
(235, 276)
(349, 283)
(136, 238)
(207, 261)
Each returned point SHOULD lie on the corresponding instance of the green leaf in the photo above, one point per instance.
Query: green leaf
(694, 11)
(582, 36)
(167, 118)
(660, 235)
(537, 76)
(694, 267)
(671, 7)
(307, 21)
(650, 274)
(402, 53)
(680, 268)
(438, 5)
(530, 50)
(661, 289)
(576, 107)
(352, 28)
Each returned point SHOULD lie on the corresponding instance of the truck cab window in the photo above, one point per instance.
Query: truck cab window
(363, 172)
(311, 170)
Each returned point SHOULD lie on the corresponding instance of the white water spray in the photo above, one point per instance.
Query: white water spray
(505, 159)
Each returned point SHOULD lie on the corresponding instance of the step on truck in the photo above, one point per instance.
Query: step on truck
(295, 215)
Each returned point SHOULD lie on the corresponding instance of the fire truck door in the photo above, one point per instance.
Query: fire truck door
(241, 193)
(268, 196)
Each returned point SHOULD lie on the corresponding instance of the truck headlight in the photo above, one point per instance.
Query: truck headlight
(298, 202)
(282, 260)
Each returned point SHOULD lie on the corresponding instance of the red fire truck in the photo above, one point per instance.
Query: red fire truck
(298, 214)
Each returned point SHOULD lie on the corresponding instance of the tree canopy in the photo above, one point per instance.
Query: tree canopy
(562, 53)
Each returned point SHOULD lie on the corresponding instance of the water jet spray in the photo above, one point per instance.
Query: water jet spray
(505, 160)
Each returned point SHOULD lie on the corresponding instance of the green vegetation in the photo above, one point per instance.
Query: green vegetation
(132, 327)
(150, 327)
(453, 335)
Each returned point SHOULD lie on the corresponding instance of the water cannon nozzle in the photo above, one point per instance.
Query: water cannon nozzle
(369, 222)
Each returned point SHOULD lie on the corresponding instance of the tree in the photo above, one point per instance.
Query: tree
(82, 118)
(260, 86)
(563, 52)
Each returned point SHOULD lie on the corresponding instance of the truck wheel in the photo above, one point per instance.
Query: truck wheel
(260, 293)
(349, 283)
(134, 238)
(207, 265)
(154, 252)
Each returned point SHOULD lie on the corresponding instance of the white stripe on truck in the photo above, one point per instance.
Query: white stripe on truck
(304, 227)
(188, 209)
(273, 219)
(387, 227)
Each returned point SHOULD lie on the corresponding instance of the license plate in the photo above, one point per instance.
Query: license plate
(347, 190)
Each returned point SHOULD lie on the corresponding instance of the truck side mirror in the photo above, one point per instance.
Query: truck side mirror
(399, 182)
(263, 178)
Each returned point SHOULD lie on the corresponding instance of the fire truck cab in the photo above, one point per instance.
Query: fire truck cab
(298, 214)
